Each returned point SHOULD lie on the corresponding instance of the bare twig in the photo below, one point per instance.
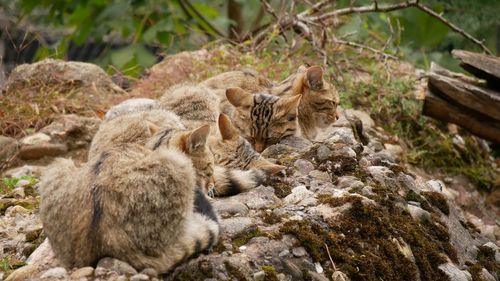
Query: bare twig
(361, 46)
(398, 6)
(330, 257)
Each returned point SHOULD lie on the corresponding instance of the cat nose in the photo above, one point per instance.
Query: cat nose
(259, 146)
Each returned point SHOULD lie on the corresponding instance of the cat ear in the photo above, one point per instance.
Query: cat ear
(152, 128)
(291, 103)
(314, 78)
(226, 128)
(239, 97)
(197, 139)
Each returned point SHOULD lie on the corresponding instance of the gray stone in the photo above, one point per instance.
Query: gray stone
(454, 273)
(118, 266)
(227, 207)
(323, 153)
(349, 182)
(363, 116)
(299, 252)
(14, 210)
(72, 130)
(486, 275)
(261, 197)
(303, 166)
(321, 176)
(36, 139)
(300, 196)
(233, 226)
(296, 143)
(27, 272)
(259, 276)
(139, 277)
(82, 272)
(380, 173)
(57, 273)
(44, 256)
(418, 213)
(18, 193)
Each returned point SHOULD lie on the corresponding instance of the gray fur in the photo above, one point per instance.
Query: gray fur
(137, 206)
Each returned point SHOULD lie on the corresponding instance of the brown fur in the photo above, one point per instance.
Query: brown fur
(248, 79)
(318, 106)
(129, 203)
(157, 128)
(261, 118)
(197, 105)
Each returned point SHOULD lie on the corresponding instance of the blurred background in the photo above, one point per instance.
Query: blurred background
(128, 36)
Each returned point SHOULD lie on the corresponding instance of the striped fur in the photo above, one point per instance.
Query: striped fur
(318, 105)
(157, 128)
(247, 79)
(233, 181)
(198, 105)
(130, 203)
(261, 118)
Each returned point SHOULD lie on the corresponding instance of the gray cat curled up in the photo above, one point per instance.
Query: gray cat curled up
(130, 203)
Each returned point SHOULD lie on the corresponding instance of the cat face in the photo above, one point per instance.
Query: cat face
(319, 97)
(263, 119)
(233, 151)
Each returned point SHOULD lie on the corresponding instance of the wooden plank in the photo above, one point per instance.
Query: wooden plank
(470, 96)
(475, 122)
(480, 65)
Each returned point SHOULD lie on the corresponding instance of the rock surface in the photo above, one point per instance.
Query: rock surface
(343, 198)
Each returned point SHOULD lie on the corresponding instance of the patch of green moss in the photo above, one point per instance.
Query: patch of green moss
(437, 200)
(234, 271)
(281, 189)
(271, 274)
(28, 203)
(9, 264)
(486, 257)
(270, 217)
(360, 242)
(243, 238)
(336, 201)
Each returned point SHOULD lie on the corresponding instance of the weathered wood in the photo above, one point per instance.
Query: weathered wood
(475, 122)
(470, 96)
(437, 69)
(482, 66)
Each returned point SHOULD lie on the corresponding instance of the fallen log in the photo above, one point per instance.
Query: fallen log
(462, 92)
(482, 66)
(477, 123)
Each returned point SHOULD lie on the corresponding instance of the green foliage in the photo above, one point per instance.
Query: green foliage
(392, 104)
(10, 183)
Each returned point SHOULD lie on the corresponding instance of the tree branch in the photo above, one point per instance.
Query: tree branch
(201, 17)
(393, 7)
(455, 28)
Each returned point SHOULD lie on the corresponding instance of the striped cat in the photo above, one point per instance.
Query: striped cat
(238, 166)
(262, 119)
(155, 128)
(130, 203)
(319, 101)
(318, 105)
